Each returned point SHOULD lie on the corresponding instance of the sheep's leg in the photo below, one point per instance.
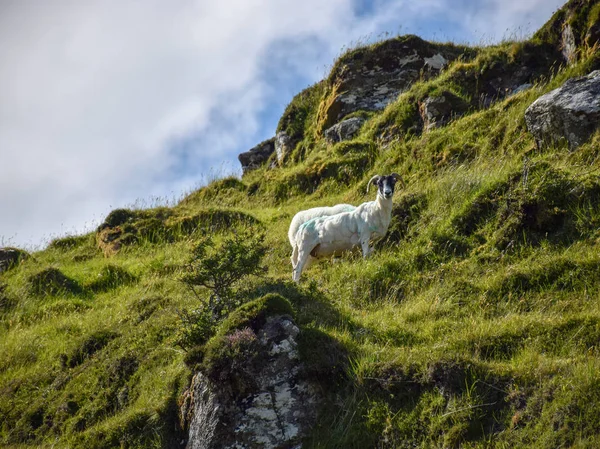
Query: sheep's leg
(303, 257)
(294, 257)
(364, 243)
(309, 262)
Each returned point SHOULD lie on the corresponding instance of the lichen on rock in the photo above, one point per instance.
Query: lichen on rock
(275, 413)
(570, 113)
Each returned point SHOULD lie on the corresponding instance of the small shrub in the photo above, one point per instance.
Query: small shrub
(220, 266)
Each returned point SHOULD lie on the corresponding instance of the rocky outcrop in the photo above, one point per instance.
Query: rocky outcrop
(283, 146)
(370, 78)
(275, 412)
(9, 257)
(257, 156)
(440, 110)
(570, 113)
(344, 130)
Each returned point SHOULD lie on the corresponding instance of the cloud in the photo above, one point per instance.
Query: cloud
(105, 102)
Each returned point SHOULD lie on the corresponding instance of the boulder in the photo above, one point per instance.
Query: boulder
(9, 257)
(283, 146)
(372, 77)
(257, 156)
(570, 113)
(275, 412)
(440, 110)
(344, 130)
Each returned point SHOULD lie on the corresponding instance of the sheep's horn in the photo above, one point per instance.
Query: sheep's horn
(374, 178)
(397, 177)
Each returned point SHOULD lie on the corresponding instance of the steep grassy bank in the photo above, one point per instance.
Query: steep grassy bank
(476, 323)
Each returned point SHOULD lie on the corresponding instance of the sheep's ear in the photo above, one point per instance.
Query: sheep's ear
(374, 180)
(397, 177)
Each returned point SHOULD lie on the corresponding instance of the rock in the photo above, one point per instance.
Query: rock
(276, 414)
(439, 111)
(571, 112)
(344, 130)
(521, 88)
(257, 156)
(370, 78)
(9, 257)
(569, 46)
(283, 146)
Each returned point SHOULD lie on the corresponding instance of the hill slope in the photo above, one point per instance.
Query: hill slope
(476, 323)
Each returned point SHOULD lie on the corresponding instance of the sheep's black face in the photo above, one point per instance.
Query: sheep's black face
(386, 186)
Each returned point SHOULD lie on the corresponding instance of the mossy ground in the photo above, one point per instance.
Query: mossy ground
(476, 323)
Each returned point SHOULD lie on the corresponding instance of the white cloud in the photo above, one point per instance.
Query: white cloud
(104, 102)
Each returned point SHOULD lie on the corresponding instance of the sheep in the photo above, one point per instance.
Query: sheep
(307, 215)
(331, 235)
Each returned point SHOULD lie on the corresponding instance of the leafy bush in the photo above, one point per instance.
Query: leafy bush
(219, 266)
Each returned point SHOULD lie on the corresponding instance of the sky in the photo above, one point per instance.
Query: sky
(130, 103)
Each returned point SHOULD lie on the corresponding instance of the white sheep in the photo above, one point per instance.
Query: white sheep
(310, 214)
(331, 235)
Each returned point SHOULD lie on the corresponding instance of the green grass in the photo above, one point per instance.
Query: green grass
(476, 322)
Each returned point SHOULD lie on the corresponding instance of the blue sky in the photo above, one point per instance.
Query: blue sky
(106, 104)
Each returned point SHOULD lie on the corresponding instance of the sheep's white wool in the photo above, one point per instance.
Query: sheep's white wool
(307, 215)
(325, 236)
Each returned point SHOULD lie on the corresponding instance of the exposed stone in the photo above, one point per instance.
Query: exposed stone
(439, 111)
(276, 415)
(568, 45)
(344, 130)
(521, 88)
(283, 146)
(257, 156)
(371, 78)
(9, 257)
(571, 112)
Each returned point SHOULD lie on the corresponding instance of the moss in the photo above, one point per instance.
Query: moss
(51, 281)
(254, 313)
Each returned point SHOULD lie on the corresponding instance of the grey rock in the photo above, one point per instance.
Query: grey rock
(257, 156)
(283, 146)
(571, 112)
(344, 130)
(568, 44)
(371, 79)
(521, 88)
(276, 414)
(439, 111)
(9, 257)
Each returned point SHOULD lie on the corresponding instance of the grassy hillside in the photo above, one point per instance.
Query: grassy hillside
(476, 323)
